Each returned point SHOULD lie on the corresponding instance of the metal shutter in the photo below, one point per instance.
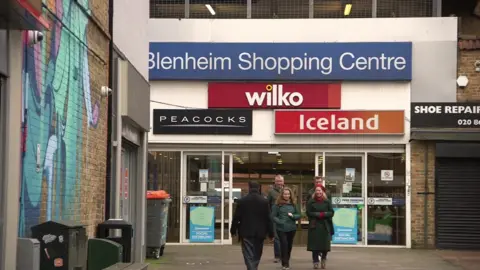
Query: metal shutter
(458, 203)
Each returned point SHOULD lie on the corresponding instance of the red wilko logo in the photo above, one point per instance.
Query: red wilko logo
(274, 96)
(262, 95)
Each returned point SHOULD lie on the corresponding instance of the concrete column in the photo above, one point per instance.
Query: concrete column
(140, 203)
(11, 107)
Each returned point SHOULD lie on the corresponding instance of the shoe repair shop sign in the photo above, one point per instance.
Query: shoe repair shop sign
(445, 115)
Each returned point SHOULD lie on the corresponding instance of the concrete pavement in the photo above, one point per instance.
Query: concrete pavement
(230, 257)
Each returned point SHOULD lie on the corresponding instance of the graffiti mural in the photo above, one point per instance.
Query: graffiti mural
(59, 114)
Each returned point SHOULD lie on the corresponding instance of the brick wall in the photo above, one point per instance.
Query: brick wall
(467, 58)
(469, 52)
(418, 174)
(65, 117)
(467, 55)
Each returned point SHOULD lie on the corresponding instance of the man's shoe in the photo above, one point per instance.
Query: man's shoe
(276, 260)
(324, 264)
(315, 265)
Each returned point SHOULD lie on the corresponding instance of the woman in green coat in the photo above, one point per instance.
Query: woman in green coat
(285, 215)
(320, 213)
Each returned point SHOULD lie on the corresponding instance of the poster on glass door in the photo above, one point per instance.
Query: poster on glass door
(202, 224)
(349, 174)
(345, 226)
(203, 175)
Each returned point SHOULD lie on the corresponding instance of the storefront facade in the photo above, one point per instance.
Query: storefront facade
(449, 135)
(16, 17)
(225, 113)
(130, 124)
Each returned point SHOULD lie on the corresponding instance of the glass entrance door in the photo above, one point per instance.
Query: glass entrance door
(206, 209)
(386, 199)
(345, 183)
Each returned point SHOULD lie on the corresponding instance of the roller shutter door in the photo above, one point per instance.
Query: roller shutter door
(458, 203)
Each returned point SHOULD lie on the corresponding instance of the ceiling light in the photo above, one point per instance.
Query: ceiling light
(273, 153)
(348, 9)
(209, 7)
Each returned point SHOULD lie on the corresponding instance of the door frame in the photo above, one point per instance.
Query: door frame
(183, 193)
(317, 156)
(364, 174)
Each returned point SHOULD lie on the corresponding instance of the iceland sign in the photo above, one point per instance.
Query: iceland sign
(365, 61)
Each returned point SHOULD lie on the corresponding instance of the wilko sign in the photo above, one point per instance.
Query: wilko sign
(274, 96)
(339, 122)
(270, 96)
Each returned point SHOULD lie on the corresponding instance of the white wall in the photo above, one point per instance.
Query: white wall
(130, 31)
(355, 96)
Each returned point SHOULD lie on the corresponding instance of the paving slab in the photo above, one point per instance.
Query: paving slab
(230, 257)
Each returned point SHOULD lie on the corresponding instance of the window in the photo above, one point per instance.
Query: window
(386, 199)
(289, 9)
(164, 174)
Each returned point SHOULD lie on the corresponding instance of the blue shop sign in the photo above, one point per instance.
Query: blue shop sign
(364, 61)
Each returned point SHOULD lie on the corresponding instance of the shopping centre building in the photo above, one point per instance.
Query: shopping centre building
(240, 100)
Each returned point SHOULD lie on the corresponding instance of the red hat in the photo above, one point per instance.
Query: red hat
(320, 186)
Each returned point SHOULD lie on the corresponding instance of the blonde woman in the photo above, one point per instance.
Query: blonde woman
(285, 215)
(320, 229)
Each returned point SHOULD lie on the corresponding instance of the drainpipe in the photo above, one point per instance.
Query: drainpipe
(425, 198)
(108, 181)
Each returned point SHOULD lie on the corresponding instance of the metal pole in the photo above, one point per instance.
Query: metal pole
(311, 7)
(222, 205)
(425, 210)
(374, 8)
(249, 9)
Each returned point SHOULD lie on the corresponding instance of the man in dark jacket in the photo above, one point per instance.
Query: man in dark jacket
(317, 180)
(252, 222)
(272, 198)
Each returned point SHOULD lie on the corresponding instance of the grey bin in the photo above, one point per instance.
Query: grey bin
(28, 254)
(157, 224)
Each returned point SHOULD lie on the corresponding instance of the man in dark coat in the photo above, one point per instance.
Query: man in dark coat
(317, 180)
(252, 222)
(272, 198)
